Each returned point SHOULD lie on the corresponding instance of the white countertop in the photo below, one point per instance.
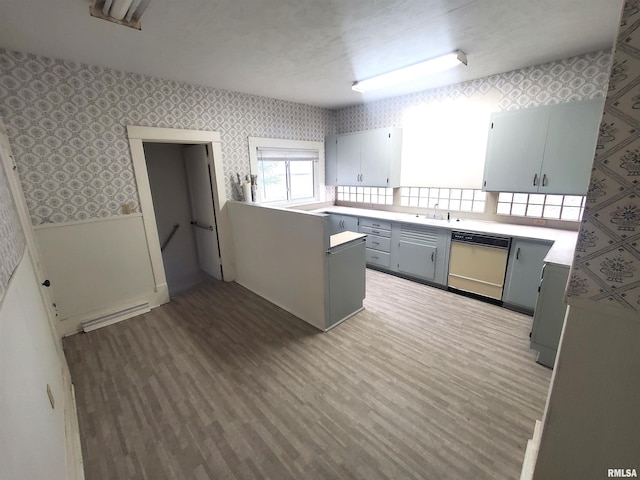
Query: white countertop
(344, 237)
(561, 253)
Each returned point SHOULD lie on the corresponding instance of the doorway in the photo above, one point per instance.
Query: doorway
(180, 180)
(140, 136)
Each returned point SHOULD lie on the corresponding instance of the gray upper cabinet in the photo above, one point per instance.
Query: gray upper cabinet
(523, 273)
(515, 149)
(570, 147)
(366, 159)
(331, 160)
(348, 149)
(546, 149)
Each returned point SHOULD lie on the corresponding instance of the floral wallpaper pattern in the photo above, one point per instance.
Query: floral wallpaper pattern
(12, 239)
(606, 267)
(67, 122)
(67, 126)
(577, 78)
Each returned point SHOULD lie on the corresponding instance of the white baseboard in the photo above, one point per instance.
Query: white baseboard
(115, 317)
(75, 463)
(531, 453)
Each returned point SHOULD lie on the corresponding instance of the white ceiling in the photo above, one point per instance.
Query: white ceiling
(311, 51)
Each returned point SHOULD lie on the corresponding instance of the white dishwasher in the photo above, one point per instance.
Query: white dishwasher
(478, 263)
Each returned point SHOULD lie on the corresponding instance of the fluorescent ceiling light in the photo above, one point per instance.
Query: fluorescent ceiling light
(123, 12)
(412, 72)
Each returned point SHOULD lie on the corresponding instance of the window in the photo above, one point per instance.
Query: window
(377, 195)
(285, 174)
(457, 199)
(288, 170)
(561, 207)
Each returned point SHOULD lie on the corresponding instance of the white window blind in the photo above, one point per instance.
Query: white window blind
(286, 174)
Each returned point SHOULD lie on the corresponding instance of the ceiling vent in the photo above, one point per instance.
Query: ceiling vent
(122, 12)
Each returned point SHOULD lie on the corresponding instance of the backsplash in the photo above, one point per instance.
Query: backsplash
(606, 267)
(67, 125)
(12, 239)
(577, 78)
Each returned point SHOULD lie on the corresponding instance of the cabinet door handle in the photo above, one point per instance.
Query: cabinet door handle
(433, 254)
(544, 180)
(375, 243)
(535, 179)
(518, 254)
(377, 232)
(375, 258)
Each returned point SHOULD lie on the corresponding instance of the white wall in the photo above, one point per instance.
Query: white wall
(169, 188)
(592, 419)
(280, 255)
(32, 434)
(97, 267)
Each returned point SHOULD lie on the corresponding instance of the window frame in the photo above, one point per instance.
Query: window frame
(318, 168)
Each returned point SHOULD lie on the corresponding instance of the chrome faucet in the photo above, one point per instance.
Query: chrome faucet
(435, 211)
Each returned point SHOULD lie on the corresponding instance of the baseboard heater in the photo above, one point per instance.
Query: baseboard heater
(115, 317)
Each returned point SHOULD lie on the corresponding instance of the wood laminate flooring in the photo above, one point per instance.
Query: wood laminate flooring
(221, 384)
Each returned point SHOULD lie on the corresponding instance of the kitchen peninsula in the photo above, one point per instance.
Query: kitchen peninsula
(290, 258)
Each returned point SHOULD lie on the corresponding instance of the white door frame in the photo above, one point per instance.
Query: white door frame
(72, 432)
(27, 227)
(137, 135)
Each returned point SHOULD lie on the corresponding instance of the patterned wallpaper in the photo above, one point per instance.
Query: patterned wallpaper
(576, 78)
(12, 239)
(66, 121)
(67, 125)
(606, 267)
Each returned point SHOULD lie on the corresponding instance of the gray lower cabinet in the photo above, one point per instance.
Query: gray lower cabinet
(548, 318)
(523, 273)
(422, 252)
(346, 281)
(378, 241)
(342, 223)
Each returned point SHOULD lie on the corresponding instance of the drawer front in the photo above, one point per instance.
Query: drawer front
(379, 243)
(375, 231)
(376, 257)
(375, 224)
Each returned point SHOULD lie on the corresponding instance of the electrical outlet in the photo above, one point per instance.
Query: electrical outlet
(540, 221)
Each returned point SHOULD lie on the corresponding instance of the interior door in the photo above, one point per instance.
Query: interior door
(198, 167)
(46, 292)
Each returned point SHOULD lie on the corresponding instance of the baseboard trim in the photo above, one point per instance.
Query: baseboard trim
(75, 462)
(116, 317)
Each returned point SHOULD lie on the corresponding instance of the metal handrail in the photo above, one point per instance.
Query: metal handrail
(173, 232)
(196, 224)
